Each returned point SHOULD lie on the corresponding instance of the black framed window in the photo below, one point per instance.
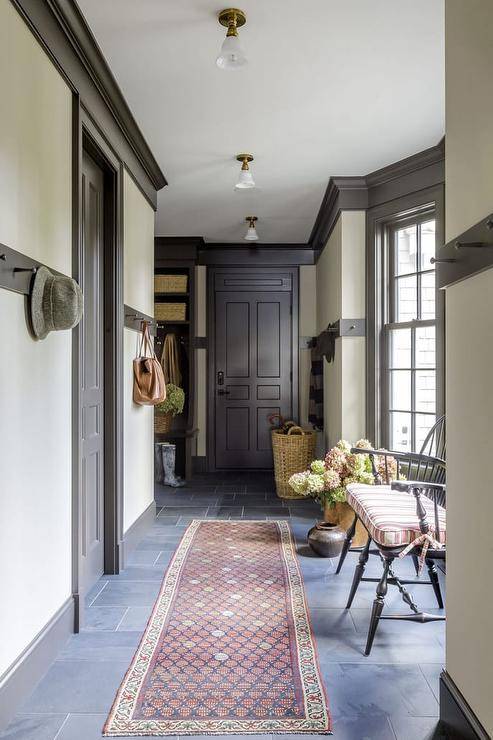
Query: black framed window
(409, 380)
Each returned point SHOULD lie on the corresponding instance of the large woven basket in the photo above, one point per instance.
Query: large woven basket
(293, 453)
(162, 422)
(170, 283)
(170, 311)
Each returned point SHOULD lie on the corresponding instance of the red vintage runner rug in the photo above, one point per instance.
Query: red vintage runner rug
(228, 648)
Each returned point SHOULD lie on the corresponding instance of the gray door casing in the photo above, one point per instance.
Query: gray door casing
(92, 375)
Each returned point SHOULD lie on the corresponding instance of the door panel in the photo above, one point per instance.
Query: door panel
(253, 357)
(92, 392)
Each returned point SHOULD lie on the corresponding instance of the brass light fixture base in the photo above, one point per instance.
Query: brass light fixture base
(232, 15)
(244, 157)
(232, 18)
(251, 220)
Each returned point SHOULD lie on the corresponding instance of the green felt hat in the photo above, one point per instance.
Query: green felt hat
(56, 303)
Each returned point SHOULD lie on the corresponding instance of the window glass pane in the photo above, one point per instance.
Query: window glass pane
(425, 390)
(427, 244)
(406, 248)
(428, 295)
(400, 348)
(400, 431)
(425, 351)
(400, 390)
(406, 299)
(423, 422)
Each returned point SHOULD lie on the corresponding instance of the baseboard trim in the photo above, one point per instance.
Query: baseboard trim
(199, 464)
(136, 532)
(457, 720)
(19, 680)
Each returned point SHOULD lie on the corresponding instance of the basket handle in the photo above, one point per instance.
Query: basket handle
(295, 430)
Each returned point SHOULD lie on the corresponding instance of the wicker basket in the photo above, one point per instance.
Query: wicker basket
(170, 283)
(170, 311)
(162, 422)
(293, 453)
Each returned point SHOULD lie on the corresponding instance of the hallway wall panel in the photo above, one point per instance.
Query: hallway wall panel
(35, 377)
(138, 281)
(469, 358)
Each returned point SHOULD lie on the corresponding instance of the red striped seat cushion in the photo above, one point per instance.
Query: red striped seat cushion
(389, 516)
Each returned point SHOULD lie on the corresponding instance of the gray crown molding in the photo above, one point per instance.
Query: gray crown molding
(409, 175)
(342, 194)
(64, 34)
(177, 247)
(289, 255)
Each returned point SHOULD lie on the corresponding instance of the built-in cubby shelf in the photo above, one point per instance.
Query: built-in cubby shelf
(182, 431)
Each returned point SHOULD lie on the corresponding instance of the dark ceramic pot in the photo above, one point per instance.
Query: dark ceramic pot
(326, 539)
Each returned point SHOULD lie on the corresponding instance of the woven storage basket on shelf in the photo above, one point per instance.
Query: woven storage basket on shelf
(170, 283)
(170, 311)
(293, 453)
(162, 422)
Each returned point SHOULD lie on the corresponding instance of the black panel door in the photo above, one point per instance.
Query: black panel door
(253, 374)
(92, 391)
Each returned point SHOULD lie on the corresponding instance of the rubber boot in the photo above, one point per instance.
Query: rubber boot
(169, 456)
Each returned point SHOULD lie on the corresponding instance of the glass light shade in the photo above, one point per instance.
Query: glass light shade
(251, 235)
(231, 56)
(245, 180)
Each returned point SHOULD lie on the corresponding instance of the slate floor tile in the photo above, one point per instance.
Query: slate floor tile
(357, 689)
(93, 646)
(415, 728)
(77, 686)
(143, 557)
(103, 617)
(34, 727)
(138, 573)
(135, 619)
(128, 593)
(158, 544)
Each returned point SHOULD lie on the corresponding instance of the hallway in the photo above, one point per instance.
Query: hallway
(391, 695)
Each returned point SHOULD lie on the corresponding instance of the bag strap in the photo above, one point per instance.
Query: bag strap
(145, 348)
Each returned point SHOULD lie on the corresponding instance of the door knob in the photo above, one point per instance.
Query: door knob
(223, 392)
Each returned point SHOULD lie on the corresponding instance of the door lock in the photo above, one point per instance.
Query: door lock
(220, 377)
(223, 392)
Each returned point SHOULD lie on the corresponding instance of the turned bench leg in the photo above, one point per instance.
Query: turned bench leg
(347, 544)
(378, 603)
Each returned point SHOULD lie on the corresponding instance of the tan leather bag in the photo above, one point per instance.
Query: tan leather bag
(149, 385)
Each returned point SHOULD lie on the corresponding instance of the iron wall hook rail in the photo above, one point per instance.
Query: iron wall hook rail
(17, 270)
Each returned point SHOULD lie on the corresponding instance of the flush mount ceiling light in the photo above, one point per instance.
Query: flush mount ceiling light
(251, 235)
(231, 55)
(245, 179)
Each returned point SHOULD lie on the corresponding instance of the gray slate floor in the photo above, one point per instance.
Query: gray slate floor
(392, 695)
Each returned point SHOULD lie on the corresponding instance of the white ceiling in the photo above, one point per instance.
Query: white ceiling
(333, 87)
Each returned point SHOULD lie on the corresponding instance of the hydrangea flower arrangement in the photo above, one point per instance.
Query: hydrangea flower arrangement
(326, 480)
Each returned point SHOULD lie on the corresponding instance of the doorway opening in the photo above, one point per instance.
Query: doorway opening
(253, 362)
(97, 359)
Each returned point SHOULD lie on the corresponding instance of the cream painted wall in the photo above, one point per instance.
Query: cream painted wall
(469, 485)
(138, 421)
(468, 113)
(341, 294)
(469, 357)
(35, 377)
(329, 280)
(138, 239)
